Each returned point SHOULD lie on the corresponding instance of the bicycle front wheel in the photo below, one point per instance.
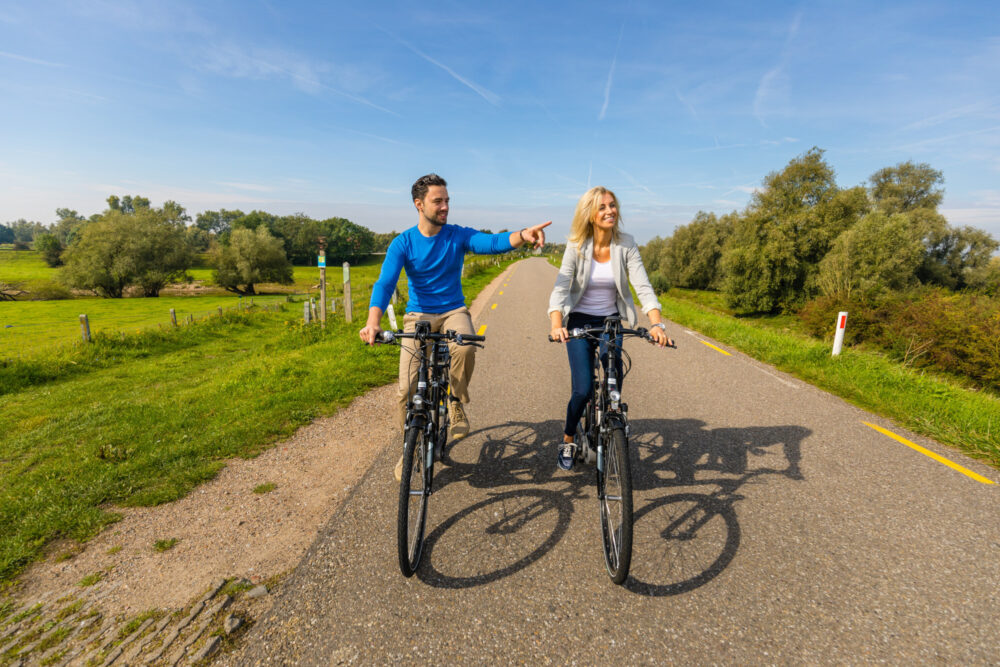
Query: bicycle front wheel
(412, 513)
(616, 506)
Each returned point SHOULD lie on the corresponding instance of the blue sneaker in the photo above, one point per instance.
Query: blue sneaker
(567, 455)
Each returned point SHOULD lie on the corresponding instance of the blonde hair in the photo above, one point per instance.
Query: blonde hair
(582, 227)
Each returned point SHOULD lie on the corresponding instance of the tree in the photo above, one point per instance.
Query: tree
(955, 255)
(691, 256)
(50, 247)
(67, 226)
(905, 187)
(121, 249)
(382, 240)
(25, 231)
(771, 259)
(217, 222)
(6, 234)
(880, 253)
(346, 241)
(253, 256)
(127, 204)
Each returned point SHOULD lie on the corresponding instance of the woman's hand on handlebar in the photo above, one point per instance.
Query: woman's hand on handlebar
(660, 337)
(559, 334)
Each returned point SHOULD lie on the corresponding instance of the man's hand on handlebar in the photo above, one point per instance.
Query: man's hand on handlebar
(369, 335)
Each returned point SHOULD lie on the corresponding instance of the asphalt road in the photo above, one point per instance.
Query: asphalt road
(772, 526)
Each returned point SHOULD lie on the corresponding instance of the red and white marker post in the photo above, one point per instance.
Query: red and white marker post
(838, 338)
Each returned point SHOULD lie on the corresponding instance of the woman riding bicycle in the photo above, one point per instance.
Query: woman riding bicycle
(593, 283)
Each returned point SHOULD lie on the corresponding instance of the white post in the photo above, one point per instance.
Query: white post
(838, 338)
(305, 312)
(392, 316)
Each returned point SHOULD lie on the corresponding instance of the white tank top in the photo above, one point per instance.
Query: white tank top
(600, 297)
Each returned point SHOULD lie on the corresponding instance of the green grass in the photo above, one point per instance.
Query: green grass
(30, 327)
(264, 488)
(143, 418)
(165, 545)
(23, 266)
(90, 579)
(934, 406)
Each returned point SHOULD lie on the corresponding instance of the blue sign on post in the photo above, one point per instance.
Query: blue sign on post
(321, 261)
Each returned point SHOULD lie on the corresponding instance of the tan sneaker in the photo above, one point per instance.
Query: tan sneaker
(459, 422)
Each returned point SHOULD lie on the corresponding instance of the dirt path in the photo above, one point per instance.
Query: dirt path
(224, 530)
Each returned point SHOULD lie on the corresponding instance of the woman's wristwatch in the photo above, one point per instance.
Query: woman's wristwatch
(660, 325)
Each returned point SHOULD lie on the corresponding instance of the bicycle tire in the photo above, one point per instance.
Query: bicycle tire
(616, 506)
(412, 511)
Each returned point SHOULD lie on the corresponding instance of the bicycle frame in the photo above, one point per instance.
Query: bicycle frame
(605, 411)
(429, 403)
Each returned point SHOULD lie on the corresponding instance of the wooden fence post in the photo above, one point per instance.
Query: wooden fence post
(220, 311)
(85, 328)
(305, 312)
(173, 316)
(348, 306)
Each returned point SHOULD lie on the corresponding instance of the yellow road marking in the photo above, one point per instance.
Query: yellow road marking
(482, 330)
(717, 349)
(493, 307)
(927, 452)
(501, 291)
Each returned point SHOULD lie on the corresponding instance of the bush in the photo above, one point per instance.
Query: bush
(48, 290)
(660, 282)
(51, 249)
(925, 328)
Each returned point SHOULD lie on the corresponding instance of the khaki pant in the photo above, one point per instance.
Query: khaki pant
(463, 357)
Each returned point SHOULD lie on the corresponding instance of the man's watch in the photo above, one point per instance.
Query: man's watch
(660, 325)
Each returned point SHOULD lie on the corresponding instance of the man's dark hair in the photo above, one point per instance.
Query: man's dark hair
(419, 189)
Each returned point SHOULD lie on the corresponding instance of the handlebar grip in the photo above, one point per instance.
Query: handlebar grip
(472, 338)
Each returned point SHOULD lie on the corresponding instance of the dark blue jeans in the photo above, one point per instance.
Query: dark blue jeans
(581, 367)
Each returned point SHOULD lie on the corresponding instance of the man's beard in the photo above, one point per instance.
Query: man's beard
(436, 222)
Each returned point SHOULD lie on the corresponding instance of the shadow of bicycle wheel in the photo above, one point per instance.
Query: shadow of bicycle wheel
(495, 538)
(681, 542)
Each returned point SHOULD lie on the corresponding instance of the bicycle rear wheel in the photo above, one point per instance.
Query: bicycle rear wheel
(412, 512)
(616, 506)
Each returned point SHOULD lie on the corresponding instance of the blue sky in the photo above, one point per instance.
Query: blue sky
(333, 108)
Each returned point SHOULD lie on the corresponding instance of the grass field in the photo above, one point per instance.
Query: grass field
(28, 328)
(142, 418)
(23, 265)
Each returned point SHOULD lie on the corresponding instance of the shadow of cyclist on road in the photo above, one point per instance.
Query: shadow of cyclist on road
(689, 535)
(684, 538)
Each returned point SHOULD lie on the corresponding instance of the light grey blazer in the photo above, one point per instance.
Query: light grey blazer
(626, 265)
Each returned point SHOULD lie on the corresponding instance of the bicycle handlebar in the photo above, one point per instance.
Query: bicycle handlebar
(387, 337)
(584, 332)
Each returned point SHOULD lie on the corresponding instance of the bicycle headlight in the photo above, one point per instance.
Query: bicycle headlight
(418, 401)
(615, 396)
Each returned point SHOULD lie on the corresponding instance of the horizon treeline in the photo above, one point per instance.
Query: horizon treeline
(802, 236)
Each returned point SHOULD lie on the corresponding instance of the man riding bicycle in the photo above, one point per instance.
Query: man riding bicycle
(432, 253)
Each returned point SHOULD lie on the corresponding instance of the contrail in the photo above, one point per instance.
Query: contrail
(487, 95)
(611, 73)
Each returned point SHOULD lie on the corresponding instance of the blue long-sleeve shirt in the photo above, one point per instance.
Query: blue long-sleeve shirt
(433, 266)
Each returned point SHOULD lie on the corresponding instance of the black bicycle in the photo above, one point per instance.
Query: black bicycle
(604, 434)
(426, 434)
